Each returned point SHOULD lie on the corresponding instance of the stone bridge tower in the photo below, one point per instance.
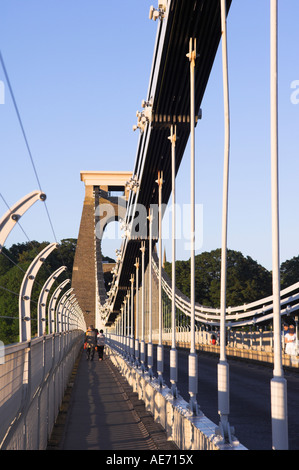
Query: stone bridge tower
(100, 207)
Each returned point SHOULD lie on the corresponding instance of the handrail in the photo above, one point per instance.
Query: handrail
(233, 314)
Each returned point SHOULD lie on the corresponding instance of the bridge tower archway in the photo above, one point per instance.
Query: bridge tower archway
(105, 201)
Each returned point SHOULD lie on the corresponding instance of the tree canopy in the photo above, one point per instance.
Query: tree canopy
(13, 264)
(289, 272)
(246, 279)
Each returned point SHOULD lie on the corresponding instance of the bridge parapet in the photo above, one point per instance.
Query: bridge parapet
(33, 378)
(188, 431)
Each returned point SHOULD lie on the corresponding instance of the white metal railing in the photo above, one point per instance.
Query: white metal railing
(260, 340)
(33, 378)
(254, 312)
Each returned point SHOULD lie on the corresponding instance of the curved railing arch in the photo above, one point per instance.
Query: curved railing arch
(13, 215)
(42, 301)
(26, 289)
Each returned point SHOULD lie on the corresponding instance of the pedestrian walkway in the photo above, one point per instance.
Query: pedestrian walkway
(104, 414)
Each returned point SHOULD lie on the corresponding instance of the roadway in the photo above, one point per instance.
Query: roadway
(250, 400)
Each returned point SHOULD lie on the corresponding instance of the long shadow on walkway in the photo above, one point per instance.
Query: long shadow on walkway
(101, 415)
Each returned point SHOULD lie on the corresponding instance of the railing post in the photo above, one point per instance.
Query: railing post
(192, 360)
(160, 345)
(132, 320)
(223, 366)
(128, 326)
(173, 351)
(142, 342)
(125, 328)
(150, 357)
(122, 330)
(137, 315)
(278, 383)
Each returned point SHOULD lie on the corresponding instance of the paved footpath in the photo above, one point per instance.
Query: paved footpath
(102, 413)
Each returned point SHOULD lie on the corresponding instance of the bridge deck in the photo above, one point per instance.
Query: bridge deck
(104, 414)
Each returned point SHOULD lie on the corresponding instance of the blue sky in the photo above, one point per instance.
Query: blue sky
(79, 71)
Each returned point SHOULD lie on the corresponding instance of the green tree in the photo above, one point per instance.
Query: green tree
(14, 262)
(289, 272)
(246, 279)
(64, 255)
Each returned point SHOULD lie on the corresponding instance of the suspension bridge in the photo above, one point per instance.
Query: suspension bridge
(151, 327)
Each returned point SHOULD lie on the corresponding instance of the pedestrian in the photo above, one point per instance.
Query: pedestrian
(283, 336)
(100, 345)
(90, 342)
(290, 340)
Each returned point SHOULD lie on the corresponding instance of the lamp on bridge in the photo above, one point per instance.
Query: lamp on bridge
(144, 117)
(158, 13)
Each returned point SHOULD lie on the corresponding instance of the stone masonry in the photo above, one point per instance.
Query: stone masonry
(88, 278)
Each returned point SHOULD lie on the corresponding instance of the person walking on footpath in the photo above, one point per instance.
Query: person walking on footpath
(100, 344)
(291, 340)
(90, 342)
(285, 332)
